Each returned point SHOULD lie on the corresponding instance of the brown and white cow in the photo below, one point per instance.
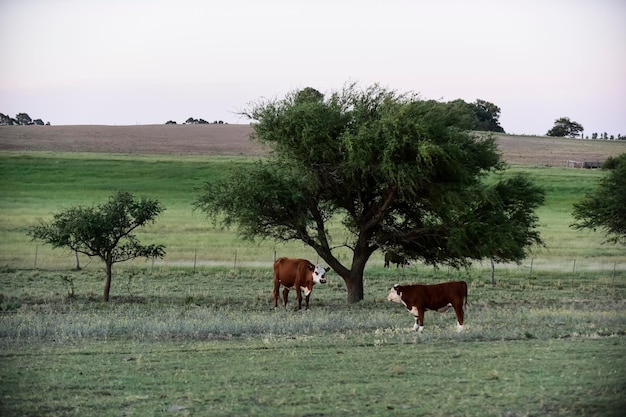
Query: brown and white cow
(419, 298)
(299, 274)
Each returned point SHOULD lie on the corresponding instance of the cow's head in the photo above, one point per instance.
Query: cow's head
(319, 274)
(395, 294)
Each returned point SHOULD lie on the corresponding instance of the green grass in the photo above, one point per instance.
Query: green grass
(172, 341)
(339, 376)
(182, 340)
(210, 343)
(35, 185)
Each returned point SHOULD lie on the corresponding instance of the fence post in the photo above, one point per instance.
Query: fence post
(235, 265)
(530, 274)
(195, 258)
(36, 248)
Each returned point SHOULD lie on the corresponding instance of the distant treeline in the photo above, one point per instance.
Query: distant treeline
(192, 121)
(20, 119)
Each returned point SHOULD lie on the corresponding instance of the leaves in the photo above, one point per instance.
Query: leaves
(105, 231)
(399, 173)
(605, 208)
(565, 127)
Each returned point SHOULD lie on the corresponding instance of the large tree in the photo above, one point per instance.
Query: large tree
(396, 171)
(605, 207)
(105, 231)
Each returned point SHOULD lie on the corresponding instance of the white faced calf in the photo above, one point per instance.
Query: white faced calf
(299, 274)
(419, 298)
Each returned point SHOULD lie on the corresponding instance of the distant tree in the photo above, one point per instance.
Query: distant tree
(170, 122)
(38, 122)
(202, 122)
(5, 120)
(105, 231)
(487, 115)
(605, 207)
(594, 136)
(565, 127)
(23, 119)
(397, 172)
(191, 121)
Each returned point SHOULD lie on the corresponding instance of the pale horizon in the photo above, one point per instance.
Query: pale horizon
(134, 62)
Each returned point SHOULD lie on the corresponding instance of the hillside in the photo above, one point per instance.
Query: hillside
(234, 140)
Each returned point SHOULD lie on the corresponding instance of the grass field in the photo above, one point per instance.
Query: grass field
(195, 335)
(36, 185)
(210, 344)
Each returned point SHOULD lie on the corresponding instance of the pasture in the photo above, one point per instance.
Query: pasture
(177, 343)
(195, 334)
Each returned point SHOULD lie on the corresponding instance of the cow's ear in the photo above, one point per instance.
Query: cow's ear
(311, 267)
(397, 288)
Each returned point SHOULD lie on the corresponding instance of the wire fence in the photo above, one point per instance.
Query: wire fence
(44, 258)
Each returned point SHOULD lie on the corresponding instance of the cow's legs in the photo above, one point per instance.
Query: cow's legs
(299, 296)
(419, 319)
(458, 309)
(285, 296)
(276, 290)
(306, 299)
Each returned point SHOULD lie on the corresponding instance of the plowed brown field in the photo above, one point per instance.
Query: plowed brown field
(232, 139)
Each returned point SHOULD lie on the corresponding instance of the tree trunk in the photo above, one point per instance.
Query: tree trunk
(107, 284)
(493, 272)
(355, 288)
(354, 279)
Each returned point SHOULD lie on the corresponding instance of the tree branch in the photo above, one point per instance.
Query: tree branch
(382, 210)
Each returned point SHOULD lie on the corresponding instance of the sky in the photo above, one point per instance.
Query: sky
(128, 62)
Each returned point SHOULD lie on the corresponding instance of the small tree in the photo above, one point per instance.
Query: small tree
(605, 208)
(105, 231)
(565, 127)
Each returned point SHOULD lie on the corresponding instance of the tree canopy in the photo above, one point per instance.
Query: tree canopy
(605, 207)
(398, 172)
(487, 116)
(105, 231)
(565, 127)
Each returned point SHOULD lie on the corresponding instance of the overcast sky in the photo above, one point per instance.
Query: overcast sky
(123, 62)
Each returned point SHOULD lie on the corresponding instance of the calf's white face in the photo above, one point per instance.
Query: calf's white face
(319, 275)
(394, 296)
